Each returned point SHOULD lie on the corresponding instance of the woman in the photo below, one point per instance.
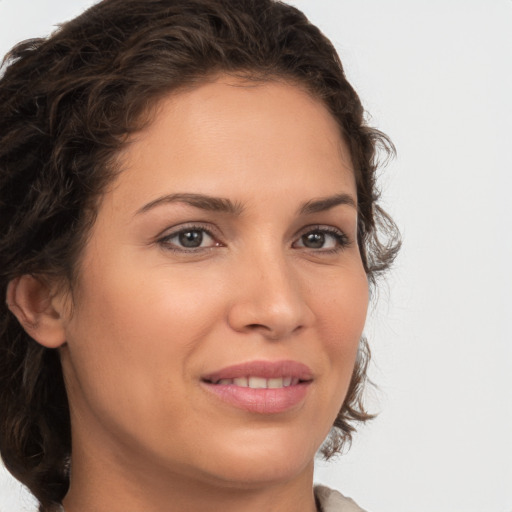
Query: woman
(189, 225)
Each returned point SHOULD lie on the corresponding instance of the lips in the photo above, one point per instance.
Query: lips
(262, 387)
(254, 382)
(263, 369)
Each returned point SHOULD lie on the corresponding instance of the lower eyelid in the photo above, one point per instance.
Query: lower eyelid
(341, 239)
(166, 239)
(339, 236)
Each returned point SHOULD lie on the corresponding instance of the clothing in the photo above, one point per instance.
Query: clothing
(329, 500)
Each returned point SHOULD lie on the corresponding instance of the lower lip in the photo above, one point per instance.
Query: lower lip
(261, 401)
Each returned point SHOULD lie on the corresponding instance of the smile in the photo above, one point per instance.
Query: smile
(259, 382)
(261, 387)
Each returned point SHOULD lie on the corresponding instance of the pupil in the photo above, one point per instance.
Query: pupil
(191, 238)
(314, 240)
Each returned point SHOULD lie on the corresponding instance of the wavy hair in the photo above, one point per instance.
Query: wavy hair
(68, 104)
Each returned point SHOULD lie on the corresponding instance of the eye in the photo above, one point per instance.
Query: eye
(326, 239)
(189, 239)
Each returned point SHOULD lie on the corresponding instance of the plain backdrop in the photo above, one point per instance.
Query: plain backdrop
(436, 76)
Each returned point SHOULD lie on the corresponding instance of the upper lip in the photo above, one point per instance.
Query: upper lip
(265, 369)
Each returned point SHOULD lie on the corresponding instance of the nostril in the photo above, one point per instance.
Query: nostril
(257, 326)
(270, 320)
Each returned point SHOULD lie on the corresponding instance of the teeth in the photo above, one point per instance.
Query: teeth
(257, 382)
(275, 383)
(260, 382)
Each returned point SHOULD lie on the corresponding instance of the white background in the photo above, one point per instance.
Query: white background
(436, 76)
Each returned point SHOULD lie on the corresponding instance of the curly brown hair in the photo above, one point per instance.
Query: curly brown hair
(68, 104)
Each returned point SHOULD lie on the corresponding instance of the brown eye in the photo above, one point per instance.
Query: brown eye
(322, 239)
(313, 240)
(191, 239)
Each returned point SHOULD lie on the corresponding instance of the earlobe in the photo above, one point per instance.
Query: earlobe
(31, 300)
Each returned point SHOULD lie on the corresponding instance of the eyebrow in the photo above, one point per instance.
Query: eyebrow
(204, 202)
(224, 205)
(326, 203)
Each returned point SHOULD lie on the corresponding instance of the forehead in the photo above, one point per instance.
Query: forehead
(252, 132)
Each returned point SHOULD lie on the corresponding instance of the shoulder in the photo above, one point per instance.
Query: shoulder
(330, 500)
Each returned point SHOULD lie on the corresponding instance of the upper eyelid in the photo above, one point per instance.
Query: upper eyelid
(217, 235)
(320, 227)
(342, 238)
(191, 226)
(164, 240)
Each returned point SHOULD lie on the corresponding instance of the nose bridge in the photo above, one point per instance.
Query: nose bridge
(275, 281)
(270, 298)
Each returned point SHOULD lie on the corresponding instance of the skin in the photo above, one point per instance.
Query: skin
(150, 318)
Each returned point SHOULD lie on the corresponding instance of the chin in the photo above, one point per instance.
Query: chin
(263, 462)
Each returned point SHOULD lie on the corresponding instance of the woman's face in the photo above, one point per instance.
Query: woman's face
(221, 294)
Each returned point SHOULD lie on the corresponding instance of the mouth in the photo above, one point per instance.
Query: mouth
(254, 382)
(261, 387)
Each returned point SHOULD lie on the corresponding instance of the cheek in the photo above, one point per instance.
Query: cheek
(128, 357)
(341, 317)
(133, 334)
(341, 306)
(139, 327)
(150, 305)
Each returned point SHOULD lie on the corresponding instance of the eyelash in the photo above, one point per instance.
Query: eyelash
(165, 240)
(341, 239)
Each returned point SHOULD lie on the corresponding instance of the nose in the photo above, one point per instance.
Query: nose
(270, 300)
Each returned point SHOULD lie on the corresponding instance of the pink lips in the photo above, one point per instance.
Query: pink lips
(290, 378)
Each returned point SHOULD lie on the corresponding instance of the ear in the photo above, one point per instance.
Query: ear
(38, 309)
